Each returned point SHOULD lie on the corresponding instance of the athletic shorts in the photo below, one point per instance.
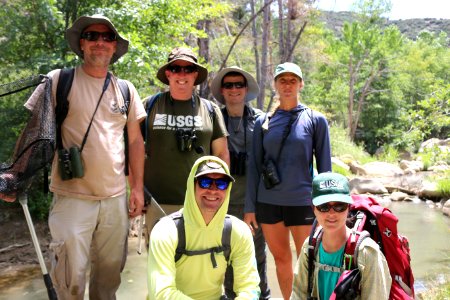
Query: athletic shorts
(290, 215)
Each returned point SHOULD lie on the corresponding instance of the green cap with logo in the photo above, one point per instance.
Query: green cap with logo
(330, 187)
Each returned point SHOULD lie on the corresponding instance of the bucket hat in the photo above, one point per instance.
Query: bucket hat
(186, 54)
(330, 187)
(73, 35)
(216, 84)
(288, 67)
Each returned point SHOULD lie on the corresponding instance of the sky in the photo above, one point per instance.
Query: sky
(401, 9)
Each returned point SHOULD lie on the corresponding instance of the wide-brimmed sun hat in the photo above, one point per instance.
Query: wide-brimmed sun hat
(330, 187)
(73, 35)
(186, 54)
(288, 67)
(216, 84)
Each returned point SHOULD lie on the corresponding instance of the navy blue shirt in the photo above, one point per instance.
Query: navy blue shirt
(294, 164)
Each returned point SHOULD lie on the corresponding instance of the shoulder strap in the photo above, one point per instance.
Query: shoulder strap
(149, 102)
(210, 108)
(125, 90)
(314, 237)
(62, 104)
(177, 217)
(226, 237)
(352, 249)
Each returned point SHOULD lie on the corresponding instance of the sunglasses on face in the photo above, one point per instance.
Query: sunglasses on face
(229, 85)
(185, 69)
(95, 35)
(206, 183)
(337, 207)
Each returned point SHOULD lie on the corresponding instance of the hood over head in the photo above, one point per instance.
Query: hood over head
(191, 211)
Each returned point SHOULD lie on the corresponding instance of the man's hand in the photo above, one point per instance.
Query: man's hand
(250, 219)
(8, 198)
(136, 203)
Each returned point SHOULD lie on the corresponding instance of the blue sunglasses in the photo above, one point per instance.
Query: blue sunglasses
(206, 183)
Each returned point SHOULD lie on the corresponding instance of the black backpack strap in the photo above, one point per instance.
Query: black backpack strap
(226, 237)
(177, 217)
(125, 90)
(62, 104)
(314, 240)
(149, 102)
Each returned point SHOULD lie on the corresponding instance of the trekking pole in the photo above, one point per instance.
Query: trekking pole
(48, 281)
(141, 225)
(149, 200)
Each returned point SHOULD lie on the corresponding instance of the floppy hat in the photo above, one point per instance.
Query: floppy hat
(330, 187)
(73, 35)
(216, 84)
(211, 167)
(288, 67)
(185, 54)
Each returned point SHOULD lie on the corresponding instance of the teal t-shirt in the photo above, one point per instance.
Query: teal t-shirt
(329, 279)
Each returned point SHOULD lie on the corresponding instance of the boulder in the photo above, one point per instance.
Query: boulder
(429, 190)
(446, 208)
(340, 163)
(444, 145)
(378, 168)
(366, 185)
(356, 168)
(411, 167)
(398, 196)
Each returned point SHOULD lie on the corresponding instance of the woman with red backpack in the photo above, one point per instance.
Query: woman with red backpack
(370, 279)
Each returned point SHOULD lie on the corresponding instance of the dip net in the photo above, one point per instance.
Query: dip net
(21, 158)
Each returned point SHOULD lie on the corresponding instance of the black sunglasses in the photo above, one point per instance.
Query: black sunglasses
(206, 183)
(95, 35)
(186, 69)
(229, 85)
(337, 207)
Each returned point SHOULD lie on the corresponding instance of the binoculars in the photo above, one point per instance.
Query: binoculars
(270, 174)
(238, 163)
(69, 163)
(186, 139)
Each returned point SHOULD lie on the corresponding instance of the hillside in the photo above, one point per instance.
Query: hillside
(410, 27)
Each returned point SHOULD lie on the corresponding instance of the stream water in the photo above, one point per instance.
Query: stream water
(427, 229)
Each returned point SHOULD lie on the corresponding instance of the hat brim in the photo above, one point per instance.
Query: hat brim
(202, 71)
(216, 84)
(214, 172)
(287, 71)
(332, 198)
(73, 35)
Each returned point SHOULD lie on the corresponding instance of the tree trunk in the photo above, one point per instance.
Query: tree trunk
(281, 47)
(203, 49)
(255, 47)
(264, 53)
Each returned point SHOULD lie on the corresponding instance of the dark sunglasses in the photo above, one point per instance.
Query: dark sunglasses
(186, 69)
(95, 35)
(229, 85)
(337, 207)
(206, 183)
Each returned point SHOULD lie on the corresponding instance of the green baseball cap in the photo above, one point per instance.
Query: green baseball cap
(330, 187)
(288, 67)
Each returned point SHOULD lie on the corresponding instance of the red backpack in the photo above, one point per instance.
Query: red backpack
(367, 215)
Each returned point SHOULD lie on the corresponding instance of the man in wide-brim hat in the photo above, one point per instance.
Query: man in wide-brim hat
(90, 214)
(234, 88)
(180, 128)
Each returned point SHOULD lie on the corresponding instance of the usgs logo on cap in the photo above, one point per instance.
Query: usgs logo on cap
(331, 184)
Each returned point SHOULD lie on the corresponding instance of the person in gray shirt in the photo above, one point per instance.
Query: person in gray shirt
(234, 88)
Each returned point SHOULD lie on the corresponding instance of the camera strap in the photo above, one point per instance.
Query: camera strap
(287, 131)
(105, 86)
